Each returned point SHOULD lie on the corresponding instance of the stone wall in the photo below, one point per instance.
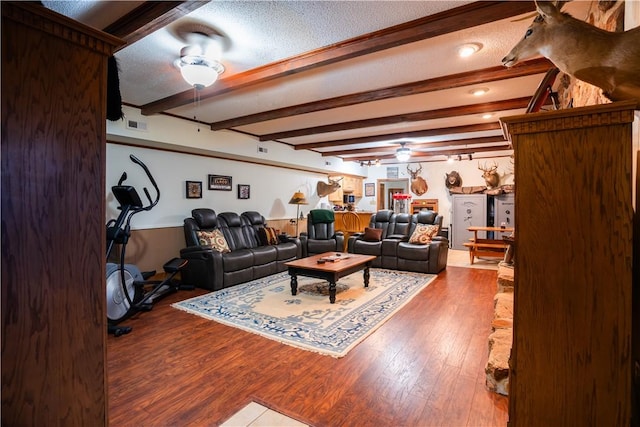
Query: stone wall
(501, 338)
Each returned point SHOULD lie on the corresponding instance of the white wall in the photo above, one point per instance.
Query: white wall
(434, 173)
(271, 187)
(184, 136)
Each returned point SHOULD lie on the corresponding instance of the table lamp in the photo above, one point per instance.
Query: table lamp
(298, 198)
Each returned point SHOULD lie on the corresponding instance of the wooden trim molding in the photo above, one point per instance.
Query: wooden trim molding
(45, 20)
(573, 118)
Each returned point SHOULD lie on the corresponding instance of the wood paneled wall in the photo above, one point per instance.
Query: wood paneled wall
(53, 208)
(571, 356)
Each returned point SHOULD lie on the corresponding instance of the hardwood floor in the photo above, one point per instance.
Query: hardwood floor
(423, 367)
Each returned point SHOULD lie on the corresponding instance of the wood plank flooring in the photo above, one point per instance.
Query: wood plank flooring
(423, 367)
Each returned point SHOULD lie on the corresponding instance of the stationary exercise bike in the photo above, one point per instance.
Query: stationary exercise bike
(128, 289)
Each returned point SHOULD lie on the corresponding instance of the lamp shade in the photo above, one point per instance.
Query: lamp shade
(298, 198)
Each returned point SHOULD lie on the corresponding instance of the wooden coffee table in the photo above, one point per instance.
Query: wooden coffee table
(343, 265)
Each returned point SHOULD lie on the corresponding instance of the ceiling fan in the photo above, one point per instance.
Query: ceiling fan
(199, 61)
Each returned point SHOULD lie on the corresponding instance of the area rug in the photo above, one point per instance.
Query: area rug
(307, 320)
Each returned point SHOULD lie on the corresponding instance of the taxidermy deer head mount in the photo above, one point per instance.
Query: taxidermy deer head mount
(418, 184)
(324, 189)
(490, 175)
(608, 60)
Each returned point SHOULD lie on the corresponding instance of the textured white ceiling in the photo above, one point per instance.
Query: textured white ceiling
(256, 33)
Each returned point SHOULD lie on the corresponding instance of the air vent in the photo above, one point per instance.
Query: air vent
(135, 125)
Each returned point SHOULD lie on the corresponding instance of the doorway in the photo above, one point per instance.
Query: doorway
(386, 189)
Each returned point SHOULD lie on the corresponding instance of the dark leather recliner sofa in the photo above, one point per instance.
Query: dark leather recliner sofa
(393, 249)
(248, 258)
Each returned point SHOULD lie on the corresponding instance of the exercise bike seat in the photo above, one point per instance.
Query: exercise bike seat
(174, 265)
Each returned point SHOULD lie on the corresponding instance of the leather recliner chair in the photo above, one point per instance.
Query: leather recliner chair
(358, 244)
(429, 258)
(321, 235)
(399, 228)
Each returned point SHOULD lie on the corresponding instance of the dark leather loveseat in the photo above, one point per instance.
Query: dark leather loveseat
(249, 256)
(392, 247)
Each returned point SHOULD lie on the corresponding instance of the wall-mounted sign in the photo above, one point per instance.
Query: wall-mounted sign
(219, 182)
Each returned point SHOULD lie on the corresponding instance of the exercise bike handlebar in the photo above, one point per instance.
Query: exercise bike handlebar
(152, 203)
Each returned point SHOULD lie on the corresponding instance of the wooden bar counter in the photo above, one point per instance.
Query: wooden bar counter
(365, 217)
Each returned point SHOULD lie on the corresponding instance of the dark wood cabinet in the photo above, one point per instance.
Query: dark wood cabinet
(53, 219)
(571, 356)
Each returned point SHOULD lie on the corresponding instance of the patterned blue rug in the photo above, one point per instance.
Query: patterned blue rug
(307, 320)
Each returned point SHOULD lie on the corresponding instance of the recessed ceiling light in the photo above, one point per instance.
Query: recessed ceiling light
(468, 49)
(487, 116)
(479, 91)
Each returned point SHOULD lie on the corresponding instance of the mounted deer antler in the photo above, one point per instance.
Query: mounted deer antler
(324, 189)
(418, 184)
(490, 175)
(608, 60)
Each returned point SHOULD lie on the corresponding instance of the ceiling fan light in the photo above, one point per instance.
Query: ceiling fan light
(403, 154)
(198, 76)
(199, 71)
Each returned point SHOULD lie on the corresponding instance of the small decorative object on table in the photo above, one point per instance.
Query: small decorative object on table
(334, 258)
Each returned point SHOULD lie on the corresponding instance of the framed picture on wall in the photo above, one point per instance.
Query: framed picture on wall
(244, 191)
(194, 189)
(220, 182)
(369, 189)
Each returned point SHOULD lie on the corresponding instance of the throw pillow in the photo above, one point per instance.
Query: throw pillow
(215, 239)
(372, 234)
(423, 234)
(268, 236)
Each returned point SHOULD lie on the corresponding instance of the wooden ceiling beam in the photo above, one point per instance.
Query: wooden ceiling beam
(461, 151)
(486, 75)
(463, 110)
(401, 135)
(417, 146)
(466, 16)
(149, 17)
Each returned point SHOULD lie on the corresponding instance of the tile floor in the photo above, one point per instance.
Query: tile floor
(256, 415)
